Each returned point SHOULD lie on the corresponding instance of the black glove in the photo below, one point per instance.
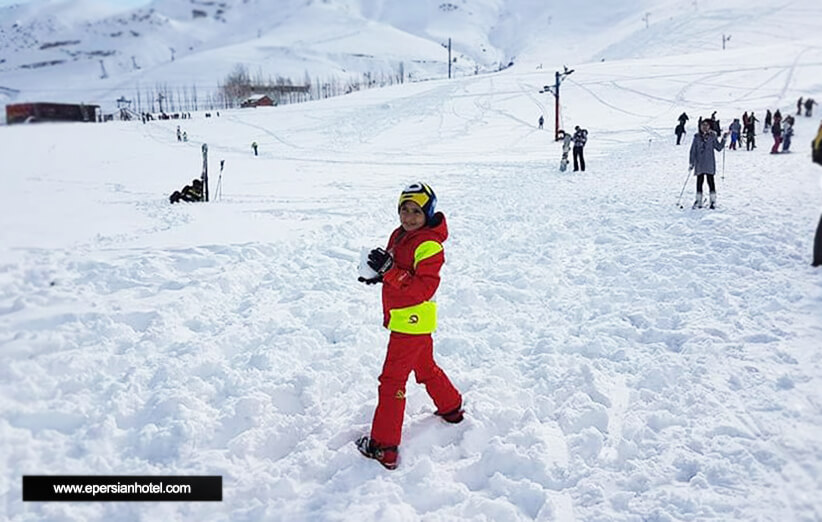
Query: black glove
(380, 261)
(372, 281)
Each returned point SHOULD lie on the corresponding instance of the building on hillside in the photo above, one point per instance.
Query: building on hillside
(258, 100)
(40, 112)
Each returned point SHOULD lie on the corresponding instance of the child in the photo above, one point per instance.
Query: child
(409, 269)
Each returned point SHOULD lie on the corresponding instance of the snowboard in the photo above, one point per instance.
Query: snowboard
(566, 148)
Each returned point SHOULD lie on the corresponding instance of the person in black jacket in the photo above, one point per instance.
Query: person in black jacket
(680, 129)
(816, 148)
(809, 103)
(750, 132)
(580, 138)
(190, 193)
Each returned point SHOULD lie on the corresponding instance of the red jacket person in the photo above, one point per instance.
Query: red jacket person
(409, 269)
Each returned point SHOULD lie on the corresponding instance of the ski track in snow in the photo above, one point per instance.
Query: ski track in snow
(620, 359)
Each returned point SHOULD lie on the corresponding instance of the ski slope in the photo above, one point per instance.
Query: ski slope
(620, 358)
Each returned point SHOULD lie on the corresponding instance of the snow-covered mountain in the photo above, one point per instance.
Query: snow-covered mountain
(79, 51)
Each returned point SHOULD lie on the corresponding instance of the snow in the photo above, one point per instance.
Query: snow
(620, 358)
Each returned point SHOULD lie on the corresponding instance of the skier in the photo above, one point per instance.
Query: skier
(580, 138)
(799, 106)
(816, 151)
(787, 134)
(735, 129)
(679, 131)
(179, 134)
(702, 160)
(768, 120)
(185, 136)
(254, 147)
(409, 269)
(809, 103)
(750, 132)
(541, 121)
(190, 193)
(776, 132)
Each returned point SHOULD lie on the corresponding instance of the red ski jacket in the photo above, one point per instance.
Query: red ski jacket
(410, 285)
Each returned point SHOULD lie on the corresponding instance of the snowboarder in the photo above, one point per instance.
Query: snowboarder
(787, 134)
(702, 160)
(799, 106)
(254, 147)
(809, 103)
(768, 120)
(190, 193)
(816, 151)
(409, 269)
(541, 121)
(735, 129)
(580, 138)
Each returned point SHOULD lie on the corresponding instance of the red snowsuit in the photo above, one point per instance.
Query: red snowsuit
(411, 317)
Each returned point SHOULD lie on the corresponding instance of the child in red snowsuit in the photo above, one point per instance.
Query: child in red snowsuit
(409, 269)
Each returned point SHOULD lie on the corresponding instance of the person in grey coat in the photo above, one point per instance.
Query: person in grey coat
(702, 160)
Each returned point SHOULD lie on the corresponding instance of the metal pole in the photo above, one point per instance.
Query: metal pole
(556, 106)
(449, 58)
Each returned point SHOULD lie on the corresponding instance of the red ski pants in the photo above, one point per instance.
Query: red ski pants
(777, 140)
(407, 353)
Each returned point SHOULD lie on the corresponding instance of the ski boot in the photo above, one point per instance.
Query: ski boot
(713, 200)
(385, 455)
(698, 201)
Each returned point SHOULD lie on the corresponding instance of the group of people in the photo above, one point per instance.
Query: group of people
(703, 163)
(181, 134)
(580, 138)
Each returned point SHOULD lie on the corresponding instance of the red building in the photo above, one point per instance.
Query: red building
(258, 100)
(38, 112)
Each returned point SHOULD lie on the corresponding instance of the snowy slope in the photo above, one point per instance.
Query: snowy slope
(621, 359)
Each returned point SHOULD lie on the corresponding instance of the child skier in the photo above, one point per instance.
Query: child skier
(735, 129)
(787, 133)
(409, 269)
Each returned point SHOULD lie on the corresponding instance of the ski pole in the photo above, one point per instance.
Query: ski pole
(723, 164)
(219, 191)
(679, 203)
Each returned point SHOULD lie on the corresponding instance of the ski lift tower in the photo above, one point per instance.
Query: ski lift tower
(558, 77)
(123, 106)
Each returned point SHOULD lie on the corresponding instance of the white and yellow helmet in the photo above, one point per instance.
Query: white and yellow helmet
(422, 195)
